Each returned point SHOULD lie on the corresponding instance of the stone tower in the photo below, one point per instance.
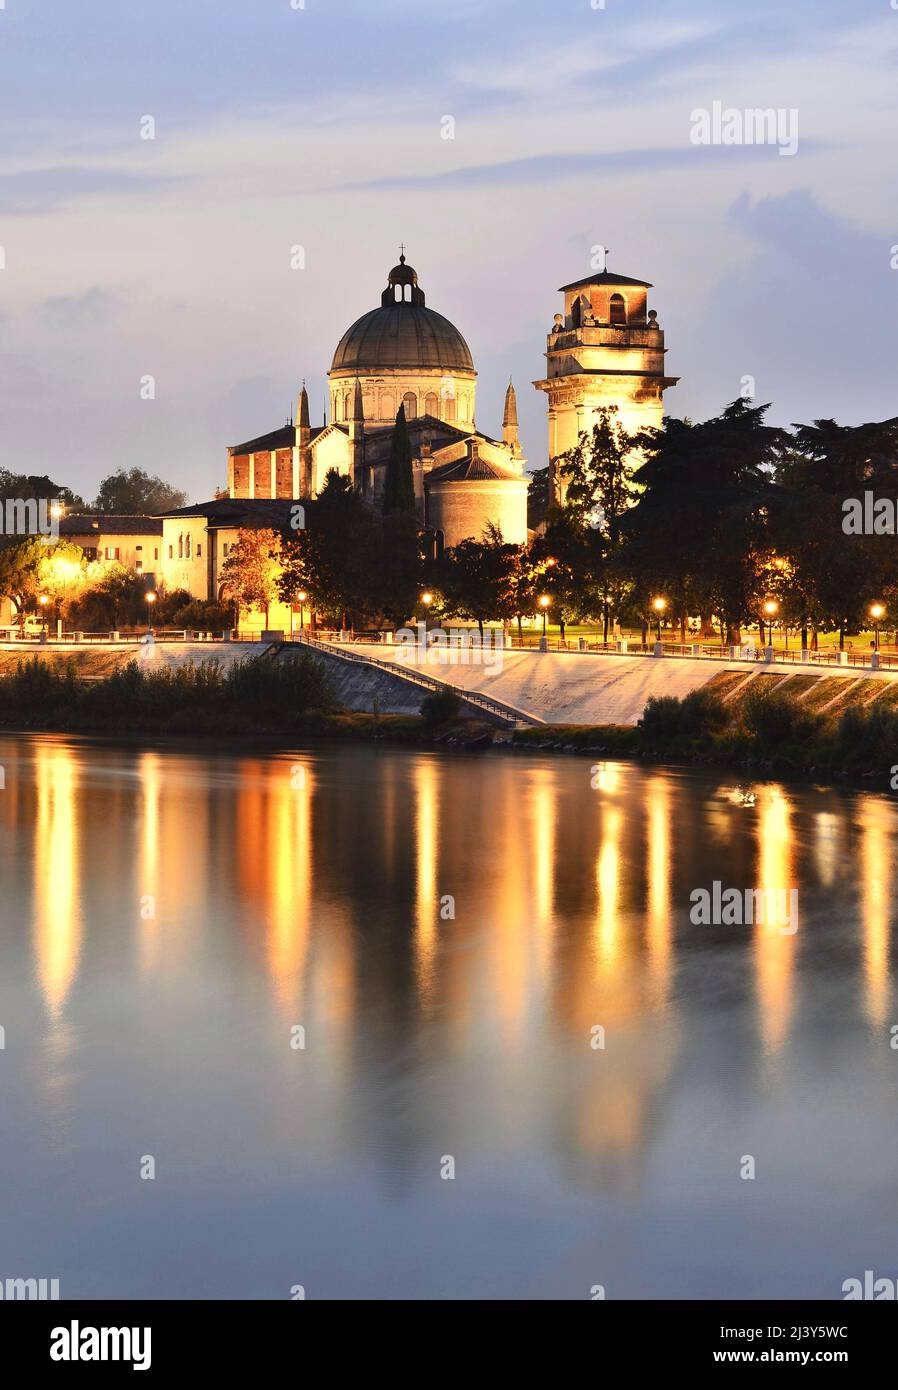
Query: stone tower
(605, 349)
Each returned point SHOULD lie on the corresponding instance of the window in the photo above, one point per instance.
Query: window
(156, 553)
(226, 549)
(618, 309)
(187, 548)
(138, 565)
(171, 552)
(410, 401)
(117, 553)
(181, 546)
(199, 552)
(432, 405)
(138, 548)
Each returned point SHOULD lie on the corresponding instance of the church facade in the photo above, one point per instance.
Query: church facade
(605, 348)
(401, 353)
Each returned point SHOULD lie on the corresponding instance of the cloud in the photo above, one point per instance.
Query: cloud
(79, 311)
(549, 168)
(35, 192)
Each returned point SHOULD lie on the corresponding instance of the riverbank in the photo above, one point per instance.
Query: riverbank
(762, 729)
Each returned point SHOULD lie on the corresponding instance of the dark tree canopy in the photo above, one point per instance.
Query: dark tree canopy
(132, 492)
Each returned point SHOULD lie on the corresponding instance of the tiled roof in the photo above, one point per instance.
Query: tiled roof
(605, 277)
(83, 523)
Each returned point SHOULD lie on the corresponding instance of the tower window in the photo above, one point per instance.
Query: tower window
(618, 309)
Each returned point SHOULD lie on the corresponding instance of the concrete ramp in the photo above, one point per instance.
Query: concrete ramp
(571, 687)
(363, 681)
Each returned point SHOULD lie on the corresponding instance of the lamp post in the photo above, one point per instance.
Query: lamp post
(43, 601)
(771, 608)
(150, 598)
(544, 602)
(659, 604)
(302, 596)
(876, 612)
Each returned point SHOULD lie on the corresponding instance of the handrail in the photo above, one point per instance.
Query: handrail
(473, 697)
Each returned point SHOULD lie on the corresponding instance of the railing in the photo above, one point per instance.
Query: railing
(472, 697)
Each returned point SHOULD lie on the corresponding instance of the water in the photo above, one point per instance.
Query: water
(168, 918)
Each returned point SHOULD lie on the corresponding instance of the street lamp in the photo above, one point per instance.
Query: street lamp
(771, 608)
(659, 604)
(876, 612)
(43, 601)
(150, 600)
(544, 602)
(302, 596)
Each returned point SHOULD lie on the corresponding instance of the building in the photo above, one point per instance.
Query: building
(606, 349)
(399, 353)
(197, 540)
(132, 541)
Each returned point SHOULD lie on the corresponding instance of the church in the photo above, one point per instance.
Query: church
(605, 348)
(401, 353)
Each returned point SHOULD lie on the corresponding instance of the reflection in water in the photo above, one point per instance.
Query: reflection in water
(150, 773)
(57, 895)
(305, 888)
(876, 860)
(774, 947)
(427, 896)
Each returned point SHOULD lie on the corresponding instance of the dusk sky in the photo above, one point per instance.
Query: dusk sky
(322, 127)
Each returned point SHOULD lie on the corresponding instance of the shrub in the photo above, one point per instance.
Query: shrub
(868, 736)
(661, 716)
(440, 706)
(776, 719)
(700, 712)
(206, 617)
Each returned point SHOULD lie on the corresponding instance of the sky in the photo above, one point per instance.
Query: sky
(278, 124)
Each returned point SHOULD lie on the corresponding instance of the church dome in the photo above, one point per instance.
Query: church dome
(402, 334)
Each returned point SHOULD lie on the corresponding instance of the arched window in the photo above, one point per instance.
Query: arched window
(449, 408)
(338, 407)
(181, 546)
(432, 404)
(386, 407)
(410, 401)
(347, 406)
(618, 309)
(187, 547)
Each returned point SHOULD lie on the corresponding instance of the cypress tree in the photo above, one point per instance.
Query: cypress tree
(399, 485)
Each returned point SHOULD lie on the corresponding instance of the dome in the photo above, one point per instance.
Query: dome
(401, 335)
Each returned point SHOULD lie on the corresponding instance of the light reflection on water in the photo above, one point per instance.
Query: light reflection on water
(448, 931)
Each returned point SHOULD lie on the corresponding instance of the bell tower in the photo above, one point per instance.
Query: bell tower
(605, 349)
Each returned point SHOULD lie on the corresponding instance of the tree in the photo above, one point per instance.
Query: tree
(567, 566)
(251, 573)
(478, 578)
(111, 597)
(39, 486)
(698, 531)
(32, 567)
(133, 492)
(399, 484)
(599, 472)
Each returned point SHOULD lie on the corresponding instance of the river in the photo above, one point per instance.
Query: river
(377, 1023)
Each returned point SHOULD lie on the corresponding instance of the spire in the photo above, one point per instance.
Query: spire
(357, 439)
(510, 418)
(303, 474)
(358, 413)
